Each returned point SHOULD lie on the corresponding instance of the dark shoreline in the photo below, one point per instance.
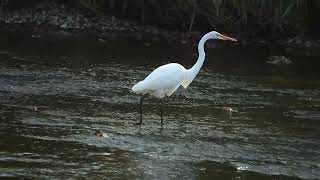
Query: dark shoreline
(52, 17)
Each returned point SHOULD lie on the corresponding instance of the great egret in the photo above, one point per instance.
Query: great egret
(167, 78)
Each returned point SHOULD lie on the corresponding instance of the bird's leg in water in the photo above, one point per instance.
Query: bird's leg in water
(188, 95)
(161, 112)
(141, 99)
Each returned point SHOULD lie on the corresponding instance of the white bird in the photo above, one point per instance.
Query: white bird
(166, 79)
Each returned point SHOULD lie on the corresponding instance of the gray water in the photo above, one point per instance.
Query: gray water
(54, 94)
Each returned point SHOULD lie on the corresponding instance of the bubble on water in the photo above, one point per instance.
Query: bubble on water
(242, 168)
(35, 36)
(202, 169)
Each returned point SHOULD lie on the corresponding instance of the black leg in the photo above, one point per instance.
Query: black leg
(161, 113)
(141, 99)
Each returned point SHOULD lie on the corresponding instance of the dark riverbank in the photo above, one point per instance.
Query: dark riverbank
(53, 22)
(44, 17)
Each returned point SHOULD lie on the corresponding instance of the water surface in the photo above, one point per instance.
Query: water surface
(55, 92)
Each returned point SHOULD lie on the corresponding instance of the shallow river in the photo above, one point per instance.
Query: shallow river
(56, 92)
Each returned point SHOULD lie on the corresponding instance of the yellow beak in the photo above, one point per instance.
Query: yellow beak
(224, 37)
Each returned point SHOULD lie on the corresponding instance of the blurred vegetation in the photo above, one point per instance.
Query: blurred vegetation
(263, 18)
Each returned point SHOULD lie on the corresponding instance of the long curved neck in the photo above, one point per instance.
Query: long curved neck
(192, 72)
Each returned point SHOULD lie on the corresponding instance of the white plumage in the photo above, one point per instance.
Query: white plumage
(163, 81)
(166, 79)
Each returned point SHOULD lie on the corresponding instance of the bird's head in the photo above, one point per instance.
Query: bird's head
(216, 35)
